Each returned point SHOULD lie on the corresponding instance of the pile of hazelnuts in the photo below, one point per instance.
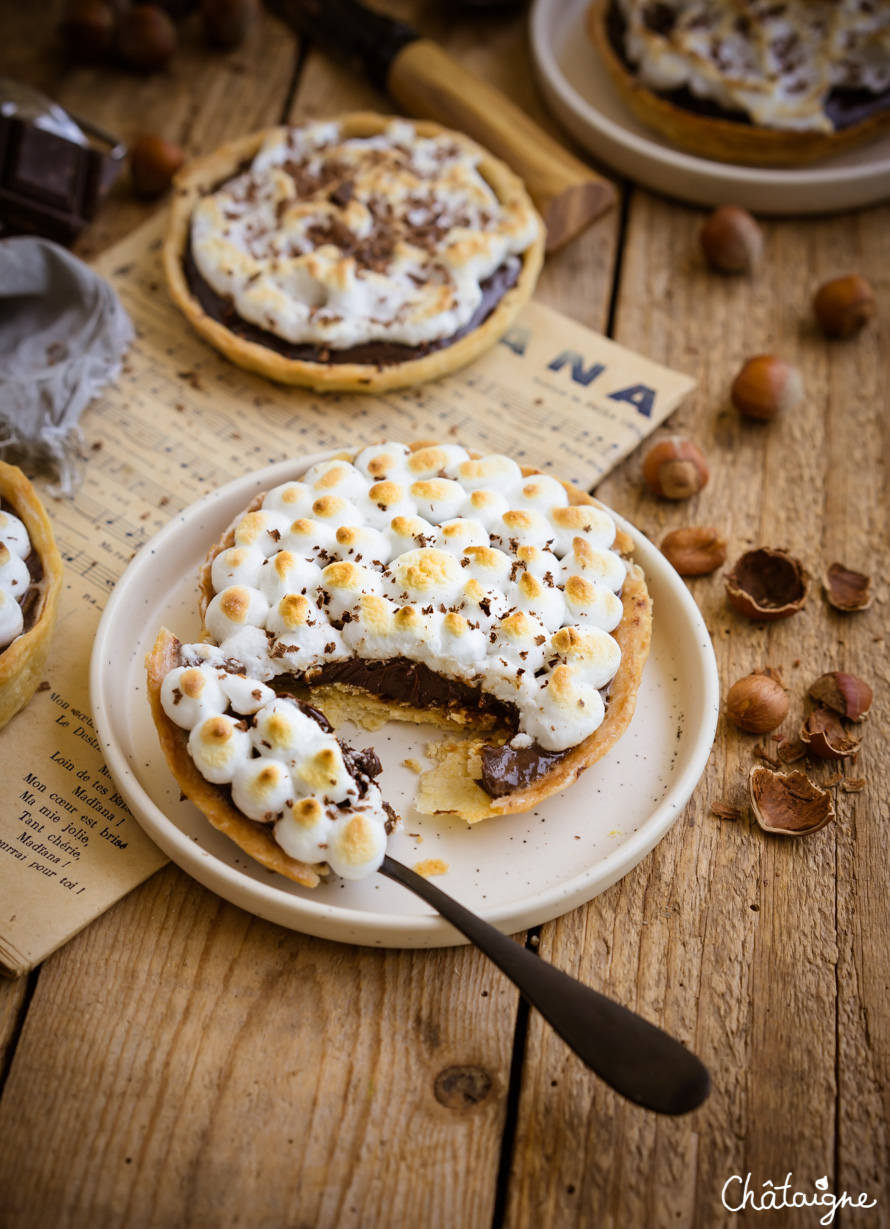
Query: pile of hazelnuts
(769, 583)
(766, 386)
(143, 37)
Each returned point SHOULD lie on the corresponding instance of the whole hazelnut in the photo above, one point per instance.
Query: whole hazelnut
(146, 38)
(757, 704)
(844, 306)
(731, 240)
(766, 386)
(675, 468)
(695, 550)
(226, 22)
(153, 163)
(87, 29)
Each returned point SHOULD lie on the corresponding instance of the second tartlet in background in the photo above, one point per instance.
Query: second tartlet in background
(360, 254)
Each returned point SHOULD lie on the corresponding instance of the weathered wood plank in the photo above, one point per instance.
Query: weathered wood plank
(12, 1004)
(728, 938)
(185, 1063)
(229, 1072)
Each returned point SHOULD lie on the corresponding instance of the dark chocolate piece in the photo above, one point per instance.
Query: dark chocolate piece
(50, 186)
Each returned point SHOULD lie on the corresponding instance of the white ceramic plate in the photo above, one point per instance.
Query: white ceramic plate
(516, 871)
(579, 91)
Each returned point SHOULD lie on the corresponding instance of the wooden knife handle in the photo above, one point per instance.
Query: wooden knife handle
(431, 84)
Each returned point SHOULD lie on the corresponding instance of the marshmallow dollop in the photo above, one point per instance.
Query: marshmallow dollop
(15, 579)
(285, 768)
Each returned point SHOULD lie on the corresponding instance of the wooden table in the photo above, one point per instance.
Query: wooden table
(183, 1063)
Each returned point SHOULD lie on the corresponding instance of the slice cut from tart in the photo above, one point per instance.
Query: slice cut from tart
(361, 254)
(755, 82)
(427, 584)
(30, 586)
(265, 767)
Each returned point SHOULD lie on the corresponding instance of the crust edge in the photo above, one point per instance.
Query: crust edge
(719, 139)
(210, 800)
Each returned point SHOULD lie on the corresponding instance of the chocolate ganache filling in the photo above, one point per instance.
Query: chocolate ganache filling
(377, 353)
(844, 106)
(504, 769)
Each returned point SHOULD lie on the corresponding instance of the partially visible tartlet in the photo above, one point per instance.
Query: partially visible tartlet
(757, 82)
(30, 586)
(360, 254)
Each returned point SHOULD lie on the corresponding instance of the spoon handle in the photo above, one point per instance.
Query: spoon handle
(638, 1060)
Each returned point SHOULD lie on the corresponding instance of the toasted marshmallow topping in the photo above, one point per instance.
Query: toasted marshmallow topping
(15, 579)
(480, 596)
(284, 768)
(341, 240)
(777, 62)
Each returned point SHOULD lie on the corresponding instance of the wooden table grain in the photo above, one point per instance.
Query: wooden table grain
(181, 1063)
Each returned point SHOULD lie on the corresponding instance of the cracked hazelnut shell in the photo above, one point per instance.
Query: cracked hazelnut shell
(824, 736)
(696, 550)
(788, 804)
(845, 694)
(844, 305)
(757, 704)
(765, 387)
(731, 240)
(845, 589)
(675, 468)
(767, 584)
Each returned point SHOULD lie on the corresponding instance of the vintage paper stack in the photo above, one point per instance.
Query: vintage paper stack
(182, 421)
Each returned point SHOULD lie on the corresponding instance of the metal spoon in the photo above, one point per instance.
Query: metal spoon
(637, 1059)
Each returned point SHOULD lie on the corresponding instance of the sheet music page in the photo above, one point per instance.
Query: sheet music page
(182, 420)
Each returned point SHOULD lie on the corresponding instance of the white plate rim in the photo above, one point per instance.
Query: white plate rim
(729, 174)
(426, 930)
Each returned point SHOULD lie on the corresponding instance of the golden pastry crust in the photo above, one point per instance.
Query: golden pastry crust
(255, 839)
(22, 663)
(208, 172)
(451, 785)
(722, 140)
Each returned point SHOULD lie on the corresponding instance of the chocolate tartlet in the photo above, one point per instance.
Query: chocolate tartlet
(30, 586)
(361, 254)
(757, 82)
(424, 584)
